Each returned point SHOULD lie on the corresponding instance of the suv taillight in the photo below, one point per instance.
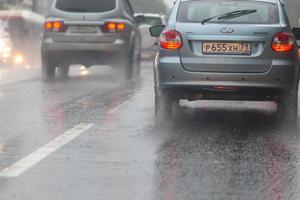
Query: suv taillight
(114, 27)
(283, 42)
(54, 26)
(171, 40)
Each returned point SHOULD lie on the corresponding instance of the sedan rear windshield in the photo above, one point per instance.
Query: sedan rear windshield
(86, 5)
(198, 11)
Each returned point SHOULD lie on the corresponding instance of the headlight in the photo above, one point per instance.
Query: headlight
(19, 59)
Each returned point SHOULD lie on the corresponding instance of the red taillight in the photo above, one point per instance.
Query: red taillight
(114, 27)
(121, 26)
(283, 42)
(171, 40)
(54, 26)
(48, 26)
(225, 88)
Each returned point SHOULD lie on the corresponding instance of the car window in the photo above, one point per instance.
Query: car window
(266, 13)
(153, 21)
(86, 5)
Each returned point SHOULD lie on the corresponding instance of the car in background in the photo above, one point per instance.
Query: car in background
(6, 48)
(20, 32)
(145, 21)
(91, 32)
(150, 19)
(227, 50)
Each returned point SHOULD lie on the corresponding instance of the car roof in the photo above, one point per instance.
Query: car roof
(150, 14)
(268, 1)
(116, 12)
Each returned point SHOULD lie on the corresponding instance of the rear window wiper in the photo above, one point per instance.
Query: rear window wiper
(230, 15)
(74, 9)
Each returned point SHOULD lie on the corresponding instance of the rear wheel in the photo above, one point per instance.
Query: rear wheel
(129, 63)
(124, 66)
(287, 112)
(163, 106)
(48, 68)
(136, 65)
(63, 71)
(128, 68)
(136, 60)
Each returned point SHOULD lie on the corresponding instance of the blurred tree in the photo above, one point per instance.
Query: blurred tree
(293, 9)
(153, 6)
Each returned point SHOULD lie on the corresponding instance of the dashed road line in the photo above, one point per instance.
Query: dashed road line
(36, 157)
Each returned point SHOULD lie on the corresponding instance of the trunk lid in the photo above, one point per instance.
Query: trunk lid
(195, 35)
(83, 30)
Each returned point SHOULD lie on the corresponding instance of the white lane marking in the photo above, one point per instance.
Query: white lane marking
(34, 158)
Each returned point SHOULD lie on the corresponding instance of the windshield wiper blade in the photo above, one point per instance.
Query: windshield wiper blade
(75, 9)
(237, 13)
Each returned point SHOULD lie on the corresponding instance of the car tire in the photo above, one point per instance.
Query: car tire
(48, 68)
(124, 66)
(287, 110)
(130, 64)
(136, 60)
(163, 106)
(136, 65)
(63, 71)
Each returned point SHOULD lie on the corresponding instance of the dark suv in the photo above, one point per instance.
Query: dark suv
(90, 32)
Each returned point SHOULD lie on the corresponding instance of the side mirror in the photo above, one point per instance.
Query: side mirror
(296, 32)
(155, 31)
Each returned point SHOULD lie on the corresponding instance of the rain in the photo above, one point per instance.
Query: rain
(152, 100)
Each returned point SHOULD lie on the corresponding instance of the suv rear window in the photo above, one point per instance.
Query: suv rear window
(153, 21)
(86, 5)
(197, 11)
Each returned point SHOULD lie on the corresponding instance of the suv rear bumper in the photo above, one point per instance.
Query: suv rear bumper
(87, 54)
(48, 45)
(169, 74)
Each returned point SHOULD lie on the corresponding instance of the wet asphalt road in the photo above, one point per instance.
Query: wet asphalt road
(211, 150)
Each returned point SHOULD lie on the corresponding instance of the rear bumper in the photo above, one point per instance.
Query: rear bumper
(169, 74)
(87, 54)
(48, 45)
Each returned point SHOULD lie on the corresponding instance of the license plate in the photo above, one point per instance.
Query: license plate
(83, 29)
(223, 48)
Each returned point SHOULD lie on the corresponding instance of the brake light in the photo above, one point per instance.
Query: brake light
(121, 26)
(48, 26)
(110, 26)
(54, 26)
(114, 27)
(225, 88)
(171, 40)
(283, 42)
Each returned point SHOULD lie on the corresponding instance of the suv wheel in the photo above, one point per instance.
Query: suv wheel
(287, 111)
(136, 65)
(48, 68)
(124, 66)
(136, 61)
(129, 64)
(63, 71)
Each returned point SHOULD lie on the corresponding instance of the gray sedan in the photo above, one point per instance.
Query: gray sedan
(227, 50)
